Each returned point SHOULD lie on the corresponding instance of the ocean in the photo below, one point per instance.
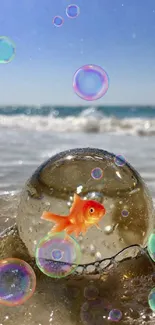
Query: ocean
(30, 135)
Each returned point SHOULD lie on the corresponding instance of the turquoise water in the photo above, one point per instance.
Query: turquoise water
(64, 111)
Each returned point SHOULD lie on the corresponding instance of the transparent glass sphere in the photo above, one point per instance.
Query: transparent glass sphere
(93, 174)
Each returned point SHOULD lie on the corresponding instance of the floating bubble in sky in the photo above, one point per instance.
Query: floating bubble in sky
(72, 11)
(57, 256)
(97, 173)
(125, 213)
(90, 82)
(120, 160)
(151, 299)
(58, 21)
(115, 315)
(151, 246)
(7, 50)
(17, 282)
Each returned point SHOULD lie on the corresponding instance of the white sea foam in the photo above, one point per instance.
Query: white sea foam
(83, 123)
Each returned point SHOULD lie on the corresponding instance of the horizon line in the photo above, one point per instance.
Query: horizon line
(75, 106)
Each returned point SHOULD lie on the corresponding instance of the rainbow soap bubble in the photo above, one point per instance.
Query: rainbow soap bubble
(7, 50)
(97, 173)
(58, 21)
(90, 82)
(58, 256)
(125, 213)
(115, 315)
(151, 246)
(17, 282)
(151, 299)
(119, 161)
(72, 11)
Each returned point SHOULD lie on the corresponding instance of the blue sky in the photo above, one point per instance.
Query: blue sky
(118, 35)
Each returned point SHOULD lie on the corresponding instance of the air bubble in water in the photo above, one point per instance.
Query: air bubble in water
(115, 315)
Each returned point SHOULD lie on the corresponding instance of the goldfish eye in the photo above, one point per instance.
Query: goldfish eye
(91, 210)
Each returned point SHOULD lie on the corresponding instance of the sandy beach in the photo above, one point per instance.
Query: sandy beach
(61, 301)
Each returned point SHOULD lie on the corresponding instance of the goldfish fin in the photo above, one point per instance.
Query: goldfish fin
(84, 229)
(77, 231)
(77, 198)
(69, 229)
(61, 222)
(60, 227)
(97, 226)
(67, 238)
(76, 202)
(72, 220)
(49, 216)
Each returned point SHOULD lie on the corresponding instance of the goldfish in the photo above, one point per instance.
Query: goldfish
(83, 215)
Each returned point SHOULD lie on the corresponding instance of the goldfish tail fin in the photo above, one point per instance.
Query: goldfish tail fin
(60, 222)
(51, 217)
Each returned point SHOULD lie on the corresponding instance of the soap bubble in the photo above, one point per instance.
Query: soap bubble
(57, 256)
(151, 299)
(17, 282)
(115, 315)
(90, 82)
(69, 172)
(72, 11)
(120, 160)
(7, 50)
(58, 21)
(151, 246)
(91, 292)
(125, 213)
(97, 173)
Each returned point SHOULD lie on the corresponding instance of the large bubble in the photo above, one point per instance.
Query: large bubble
(151, 246)
(129, 211)
(17, 282)
(7, 50)
(151, 299)
(90, 82)
(56, 256)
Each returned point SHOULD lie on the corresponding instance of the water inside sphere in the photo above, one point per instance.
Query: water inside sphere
(52, 188)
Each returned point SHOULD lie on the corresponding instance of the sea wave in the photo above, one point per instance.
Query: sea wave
(94, 123)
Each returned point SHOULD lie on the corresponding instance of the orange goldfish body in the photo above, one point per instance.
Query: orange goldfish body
(83, 215)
